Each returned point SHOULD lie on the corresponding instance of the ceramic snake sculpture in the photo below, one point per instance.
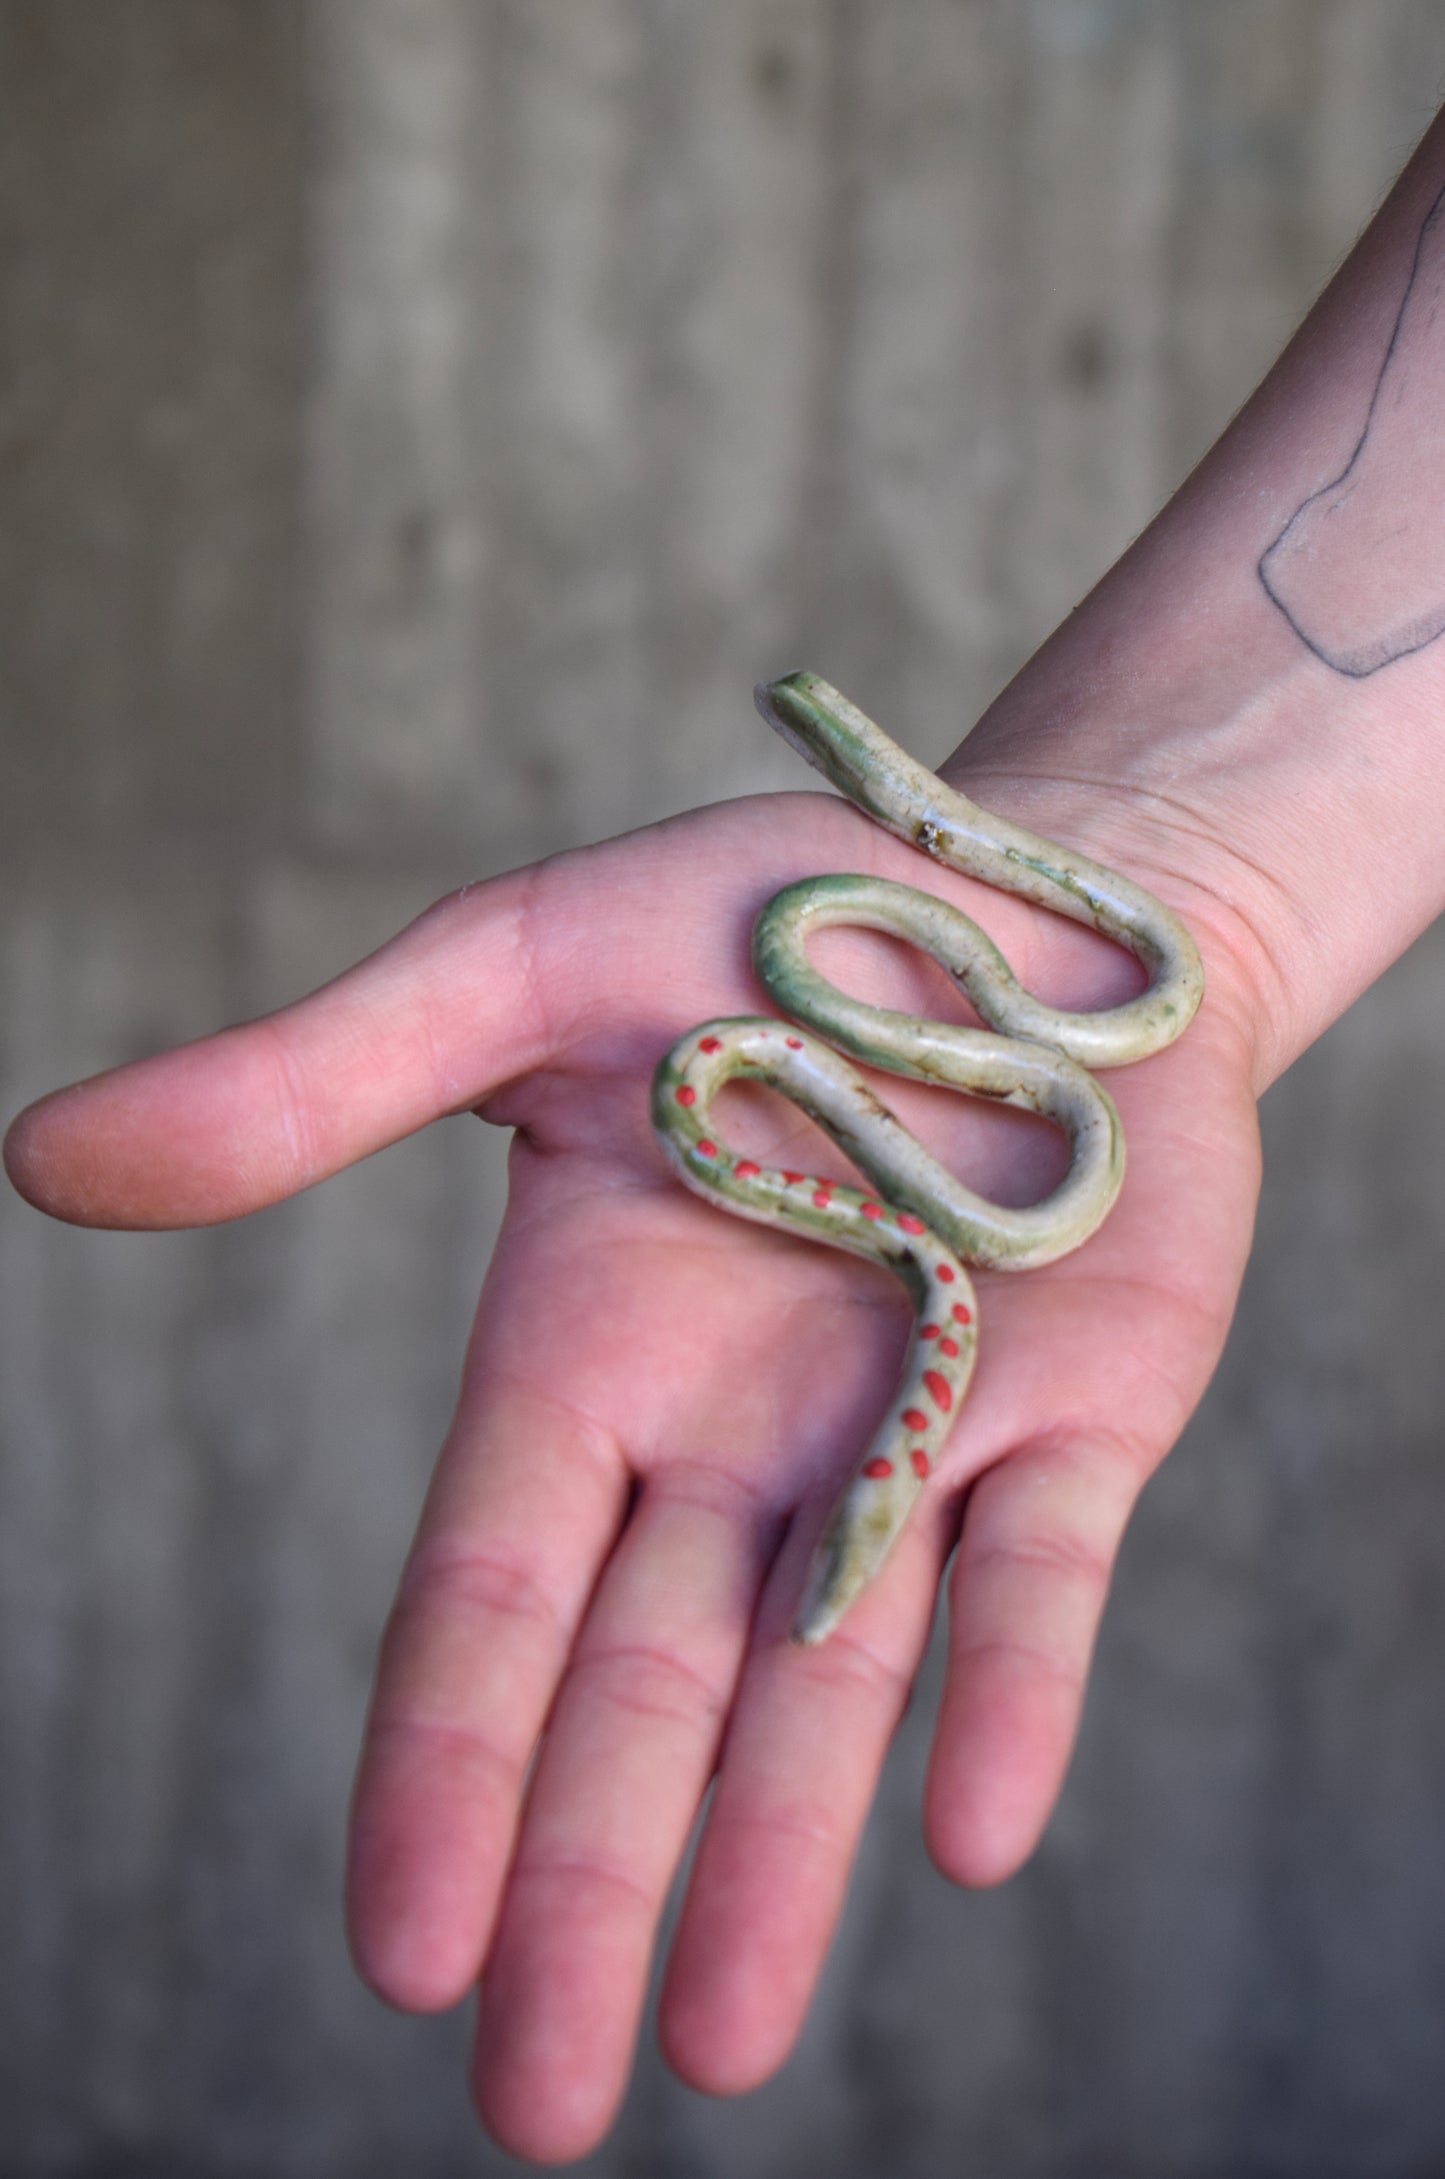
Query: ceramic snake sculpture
(924, 1225)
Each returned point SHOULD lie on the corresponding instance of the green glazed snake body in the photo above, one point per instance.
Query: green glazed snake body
(924, 1225)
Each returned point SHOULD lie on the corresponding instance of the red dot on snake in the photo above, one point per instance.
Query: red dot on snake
(940, 1387)
(822, 1197)
(710, 1044)
(915, 1418)
(947, 1273)
(687, 1095)
(948, 1346)
(878, 1468)
(794, 1044)
(962, 1315)
(794, 1179)
(920, 1460)
(930, 1331)
(910, 1224)
(746, 1170)
(707, 1149)
(872, 1210)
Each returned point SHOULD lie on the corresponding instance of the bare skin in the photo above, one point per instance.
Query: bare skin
(717, 1370)
(654, 1412)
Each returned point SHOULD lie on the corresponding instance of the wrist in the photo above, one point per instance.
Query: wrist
(1281, 811)
(1151, 837)
(1245, 713)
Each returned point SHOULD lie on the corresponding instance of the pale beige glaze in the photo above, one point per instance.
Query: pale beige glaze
(924, 1225)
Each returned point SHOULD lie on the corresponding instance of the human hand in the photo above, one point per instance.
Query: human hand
(657, 1407)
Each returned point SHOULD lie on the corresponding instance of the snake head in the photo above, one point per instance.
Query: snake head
(788, 707)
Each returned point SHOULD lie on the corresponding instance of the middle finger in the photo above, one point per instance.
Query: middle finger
(628, 1755)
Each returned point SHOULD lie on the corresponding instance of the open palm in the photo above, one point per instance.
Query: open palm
(657, 1407)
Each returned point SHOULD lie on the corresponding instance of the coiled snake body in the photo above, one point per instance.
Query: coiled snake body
(924, 1225)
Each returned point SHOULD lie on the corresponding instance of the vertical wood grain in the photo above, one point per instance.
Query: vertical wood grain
(424, 421)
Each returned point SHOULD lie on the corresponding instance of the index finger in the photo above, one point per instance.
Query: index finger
(527, 1501)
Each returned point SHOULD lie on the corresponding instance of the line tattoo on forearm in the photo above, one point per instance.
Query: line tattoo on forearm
(1359, 568)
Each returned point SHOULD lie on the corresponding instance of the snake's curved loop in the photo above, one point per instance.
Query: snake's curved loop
(924, 1225)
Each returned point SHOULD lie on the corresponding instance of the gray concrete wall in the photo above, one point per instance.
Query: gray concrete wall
(403, 401)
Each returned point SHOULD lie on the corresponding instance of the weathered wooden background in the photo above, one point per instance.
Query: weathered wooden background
(422, 422)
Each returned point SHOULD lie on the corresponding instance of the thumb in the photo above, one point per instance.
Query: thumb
(430, 1024)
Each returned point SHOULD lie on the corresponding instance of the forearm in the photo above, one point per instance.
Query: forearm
(1257, 686)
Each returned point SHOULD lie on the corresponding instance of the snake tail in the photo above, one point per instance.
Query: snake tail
(890, 1477)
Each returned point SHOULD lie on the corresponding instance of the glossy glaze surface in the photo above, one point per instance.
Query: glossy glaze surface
(919, 1222)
